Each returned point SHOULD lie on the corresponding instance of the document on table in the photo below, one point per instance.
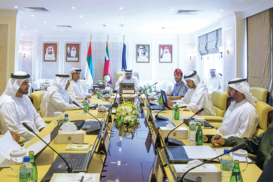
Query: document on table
(200, 152)
(38, 146)
(72, 177)
(7, 144)
(241, 159)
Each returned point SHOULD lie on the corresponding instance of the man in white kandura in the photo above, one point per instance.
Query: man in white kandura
(214, 81)
(241, 117)
(127, 78)
(75, 89)
(16, 108)
(57, 98)
(142, 54)
(50, 55)
(197, 96)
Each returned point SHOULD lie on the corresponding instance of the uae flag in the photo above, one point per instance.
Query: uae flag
(107, 70)
(89, 65)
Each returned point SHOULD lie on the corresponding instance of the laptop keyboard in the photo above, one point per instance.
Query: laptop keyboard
(163, 123)
(91, 124)
(76, 160)
(178, 153)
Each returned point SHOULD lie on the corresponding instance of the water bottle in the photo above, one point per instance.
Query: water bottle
(236, 173)
(35, 172)
(154, 88)
(192, 130)
(160, 102)
(26, 170)
(176, 113)
(199, 135)
(226, 166)
(85, 106)
(150, 90)
(66, 119)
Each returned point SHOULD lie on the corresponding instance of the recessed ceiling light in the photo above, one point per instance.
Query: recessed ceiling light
(73, 7)
(35, 30)
(15, 6)
(91, 27)
(171, 9)
(120, 8)
(44, 21)
(54, 27)
(61, 30)
(95, 30)
(121, 16)
(165, 17)
(81, 16)
(87, 22)
(221, 10)
(32, 15)
(25, 26)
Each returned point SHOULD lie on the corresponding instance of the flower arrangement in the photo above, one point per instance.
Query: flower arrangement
(127, 113)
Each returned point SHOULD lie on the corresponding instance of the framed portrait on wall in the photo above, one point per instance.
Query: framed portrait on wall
(72, 52)
(165, 53)
(142, 53)
(50, 52)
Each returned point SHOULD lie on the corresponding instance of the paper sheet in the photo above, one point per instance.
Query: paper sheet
(72, 177)
(241, 159)
(7, 144)
(38, 146)
(200, 152)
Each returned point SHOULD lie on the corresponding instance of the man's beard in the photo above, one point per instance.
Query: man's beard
(23, 91)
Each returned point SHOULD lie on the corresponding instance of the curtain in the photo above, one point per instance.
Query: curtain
(259, 49)
(212, 41)
(219, 38)
(202, 44)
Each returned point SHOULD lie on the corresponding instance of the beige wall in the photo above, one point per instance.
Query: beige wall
(7, 45)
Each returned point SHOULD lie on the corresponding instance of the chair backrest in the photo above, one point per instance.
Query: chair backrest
(36, 98)
(265, 114)
(259, 93)
(219, 101)
(119, 74)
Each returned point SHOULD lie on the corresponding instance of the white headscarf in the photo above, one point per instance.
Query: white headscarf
(127, 71)
(192, 75)
(14, 83)
(74, 70)
(242, 86)
(58, 85)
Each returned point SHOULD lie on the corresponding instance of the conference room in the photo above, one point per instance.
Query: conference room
(136, 91)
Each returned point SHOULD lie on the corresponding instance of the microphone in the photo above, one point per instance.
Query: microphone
(177, 142)
(237, 147)
(69, 169)
(94, 130)
(161, 117)
(154, 84)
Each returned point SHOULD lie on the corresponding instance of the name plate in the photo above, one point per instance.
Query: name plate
(128, 91)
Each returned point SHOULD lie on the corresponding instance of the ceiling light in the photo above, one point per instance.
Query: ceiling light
(54, 27)
(87, 22)
(32, 15)
(25, 26)
(73, 7)
(221, 10)
(95, 30)
(121, 16)
(81, 16)
(15, 6)
(171, 9)
(120, 8)
(35, 30)
(165, 17)
(91, 27)
(61, 30)
(44, 21)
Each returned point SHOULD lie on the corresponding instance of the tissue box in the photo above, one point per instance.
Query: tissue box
(179, 133)
(209, 174)
(70, 137)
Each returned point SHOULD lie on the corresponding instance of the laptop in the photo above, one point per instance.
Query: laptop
(206, 124)
(177, 154)
(165, 100)
(92, 124)
(154, 106)
(126, 85)
(159, 123)
(78, 161)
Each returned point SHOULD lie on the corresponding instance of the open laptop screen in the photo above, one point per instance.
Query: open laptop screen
(165, 100)
(126, 85)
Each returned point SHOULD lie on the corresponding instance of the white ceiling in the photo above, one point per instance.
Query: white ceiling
(139, 16)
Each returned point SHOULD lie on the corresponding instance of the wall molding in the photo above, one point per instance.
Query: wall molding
(257, 8)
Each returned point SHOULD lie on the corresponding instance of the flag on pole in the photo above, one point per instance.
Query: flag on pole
(124, 65)
(88, 75)
(107, 69)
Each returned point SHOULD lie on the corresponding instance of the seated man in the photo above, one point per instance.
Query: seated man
(241, 117)
(16, 108)
(213, 82)
(197, 96)
(261, 145)
(75, 89)
(127, 78)
(57, 98)
(180, 89)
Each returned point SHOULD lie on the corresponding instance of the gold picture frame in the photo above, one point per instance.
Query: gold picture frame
(76, 52)
(165, 53)
(50, 52)
(143, 53)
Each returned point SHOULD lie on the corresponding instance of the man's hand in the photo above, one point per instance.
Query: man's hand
(41, 129)
(94, 93)
(88, 96)
(220, 141)
(170, 103)
(15, 136)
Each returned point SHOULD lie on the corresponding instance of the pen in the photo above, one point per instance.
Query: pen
(82, 179)
(217, 137)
